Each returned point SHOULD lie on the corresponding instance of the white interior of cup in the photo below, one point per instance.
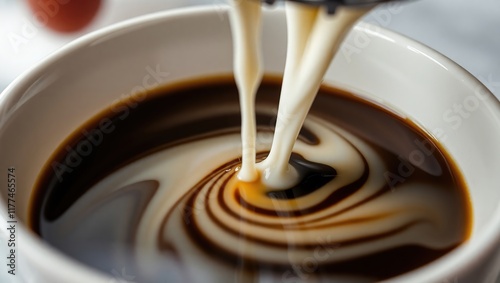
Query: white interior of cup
(47, 104)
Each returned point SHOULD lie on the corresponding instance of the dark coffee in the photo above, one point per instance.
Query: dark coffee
(150, 188)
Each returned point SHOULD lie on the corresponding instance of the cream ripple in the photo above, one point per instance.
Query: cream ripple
(366, 218)
(172, 198)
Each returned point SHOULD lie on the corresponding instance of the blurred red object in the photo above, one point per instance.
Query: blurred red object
(65, 15)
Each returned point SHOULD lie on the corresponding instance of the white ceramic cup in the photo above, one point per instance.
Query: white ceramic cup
(42, 107)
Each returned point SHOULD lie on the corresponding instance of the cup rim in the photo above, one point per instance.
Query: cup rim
(48, 257)
(447, 267)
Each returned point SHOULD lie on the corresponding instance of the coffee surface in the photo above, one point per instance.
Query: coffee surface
(152, 189)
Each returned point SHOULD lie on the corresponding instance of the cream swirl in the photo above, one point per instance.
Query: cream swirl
(356, 213)
(171, 203)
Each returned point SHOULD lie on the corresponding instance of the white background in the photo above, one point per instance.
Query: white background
(467, 31)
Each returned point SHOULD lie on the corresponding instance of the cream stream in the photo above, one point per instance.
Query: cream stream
(313, 39)
(246, 27)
